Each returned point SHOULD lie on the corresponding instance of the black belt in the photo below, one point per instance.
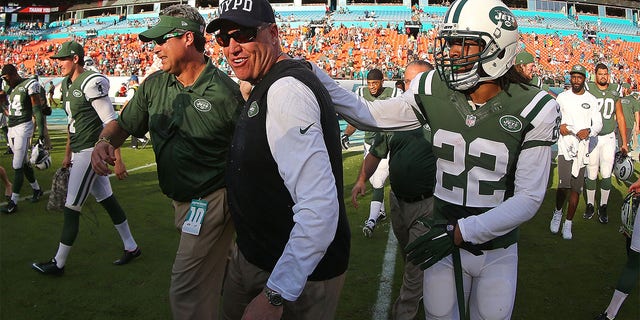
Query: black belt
(415, 199)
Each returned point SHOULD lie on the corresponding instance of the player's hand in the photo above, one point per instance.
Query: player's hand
(103, 155)
(624, 149)
(344, 140)
(120, 170)
(260, 309)
(66, 162)
(436, 244)
(359, 189)
(583, 134)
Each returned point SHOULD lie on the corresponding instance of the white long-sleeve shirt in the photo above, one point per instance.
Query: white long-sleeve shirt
(579, 111)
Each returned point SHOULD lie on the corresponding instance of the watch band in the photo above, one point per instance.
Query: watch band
(274, 297)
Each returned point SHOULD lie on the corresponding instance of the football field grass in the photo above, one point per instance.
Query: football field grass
(558, 279)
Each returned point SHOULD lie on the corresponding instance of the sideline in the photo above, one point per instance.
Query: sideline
(383, 302)
(46, 192)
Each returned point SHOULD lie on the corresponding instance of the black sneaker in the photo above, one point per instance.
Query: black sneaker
(588, 213)
(49, 267)
(602, 214)
(37, 193)
(127, 256)
(10, 208)
(9, 151)
(602, 316)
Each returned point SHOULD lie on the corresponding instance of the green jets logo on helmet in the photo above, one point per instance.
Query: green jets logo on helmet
(503, 18)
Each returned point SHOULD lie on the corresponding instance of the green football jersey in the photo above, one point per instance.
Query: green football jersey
(606, 104)
(85, 124)
(366, 94)
(191, 129)
(477, 149)
(20, 108)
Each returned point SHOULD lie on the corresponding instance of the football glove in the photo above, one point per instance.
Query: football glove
(344, 140)
(436, 244)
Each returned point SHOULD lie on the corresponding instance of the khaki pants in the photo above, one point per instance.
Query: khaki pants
(406, 229)
(244, 281)
(198, 270)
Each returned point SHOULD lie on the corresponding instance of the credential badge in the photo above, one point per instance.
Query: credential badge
(510, 123)
(202, 105)
(253, 109)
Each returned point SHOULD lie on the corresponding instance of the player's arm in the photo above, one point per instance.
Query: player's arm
(622, 126)
(119, 168)
(393, 114)
(369, 166)
(304, 165)
(66, 161)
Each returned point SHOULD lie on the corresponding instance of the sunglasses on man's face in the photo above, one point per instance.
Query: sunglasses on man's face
(242, 35)
(161, 40)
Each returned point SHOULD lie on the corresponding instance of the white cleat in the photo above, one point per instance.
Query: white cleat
(555, 221)
(369, 225)
(566, 230)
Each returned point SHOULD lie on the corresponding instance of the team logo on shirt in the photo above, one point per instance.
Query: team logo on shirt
(202, 105)
(77, 93)
(586, 106)
(253, 109)
(510, 123)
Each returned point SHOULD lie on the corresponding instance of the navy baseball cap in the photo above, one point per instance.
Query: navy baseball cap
(245, 13)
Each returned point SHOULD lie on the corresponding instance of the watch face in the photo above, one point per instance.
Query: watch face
(275, 299)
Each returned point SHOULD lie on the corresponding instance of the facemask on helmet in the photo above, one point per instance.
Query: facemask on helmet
(40, 157)
(622, 166)
(477, 41)
(628, 213)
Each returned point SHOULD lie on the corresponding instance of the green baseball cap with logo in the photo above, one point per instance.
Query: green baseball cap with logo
(626, 85)
(524, 57)
(578, 69)
(168, 24)
(69, 49)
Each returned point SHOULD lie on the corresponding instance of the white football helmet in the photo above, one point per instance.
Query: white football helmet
(488, 23)
(40, 157)
(622, 166)
(629, 212)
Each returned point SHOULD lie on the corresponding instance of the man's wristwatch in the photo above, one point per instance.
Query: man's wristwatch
(103, 139)
(275, 299)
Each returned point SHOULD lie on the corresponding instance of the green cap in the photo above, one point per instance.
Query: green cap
(168, 24)
(524, 57)
(578, 69)
(626, 85)
(69, 49)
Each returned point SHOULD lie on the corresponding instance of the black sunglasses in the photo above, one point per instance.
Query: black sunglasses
(242, 35)
(161, 40)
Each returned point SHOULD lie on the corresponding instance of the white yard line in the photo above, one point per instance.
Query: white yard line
(383, 302)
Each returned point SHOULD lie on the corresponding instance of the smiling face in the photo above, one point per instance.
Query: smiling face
(251, 60)
(68, 65)
(171, 49)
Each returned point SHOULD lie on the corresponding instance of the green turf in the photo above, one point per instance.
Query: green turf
(558, 279)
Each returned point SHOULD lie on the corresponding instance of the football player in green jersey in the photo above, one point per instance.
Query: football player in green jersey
(189, 108)
(374, 91)
(601, 158)
(411, 172)
(85, 96)
(492, 134)
(24, 100)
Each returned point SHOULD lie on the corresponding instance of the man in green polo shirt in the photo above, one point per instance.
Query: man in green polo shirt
(630, 109)
(526, 66)
(190, 109)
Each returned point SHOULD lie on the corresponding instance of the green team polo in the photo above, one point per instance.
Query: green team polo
(412, 167)
(630, 105)
(191, 129)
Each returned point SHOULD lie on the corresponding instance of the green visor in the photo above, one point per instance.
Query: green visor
(168, 24)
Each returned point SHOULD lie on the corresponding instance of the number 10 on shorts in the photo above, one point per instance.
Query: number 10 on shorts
(195, 217)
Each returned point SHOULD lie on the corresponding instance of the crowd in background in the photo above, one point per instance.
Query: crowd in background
(345, 53)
